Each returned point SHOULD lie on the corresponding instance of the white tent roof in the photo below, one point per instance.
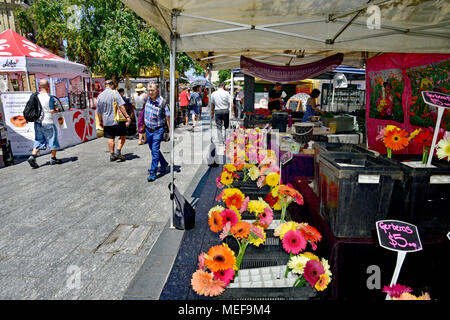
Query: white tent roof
(287, 32)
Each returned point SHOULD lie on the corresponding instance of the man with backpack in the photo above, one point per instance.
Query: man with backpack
(156, 116)
(45, 134)
(195, 104)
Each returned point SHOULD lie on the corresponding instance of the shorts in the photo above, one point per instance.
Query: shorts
(45, 135)
(194, 110)
(118, 130)
(184, 112)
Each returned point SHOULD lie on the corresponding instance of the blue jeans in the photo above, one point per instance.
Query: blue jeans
(45, 135)
(154, 141)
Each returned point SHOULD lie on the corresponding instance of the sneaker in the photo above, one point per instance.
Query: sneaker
(55, 161)
(33, 163)
(113, 158)
(151, 177)
(120, 157)
(164, 170)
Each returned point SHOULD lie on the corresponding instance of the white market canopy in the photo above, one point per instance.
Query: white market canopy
(18, 54)
(290, 32)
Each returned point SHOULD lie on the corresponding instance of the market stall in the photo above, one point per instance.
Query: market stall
(218, 34)
(22, 65)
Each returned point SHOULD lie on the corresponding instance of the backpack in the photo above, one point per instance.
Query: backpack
(33, 109)
(193, 101)
(184, 214)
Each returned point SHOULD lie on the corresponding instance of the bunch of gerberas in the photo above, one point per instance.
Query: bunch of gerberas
(228, 175)
(232, 197)
(228, 223)
(395, 139)
(310, 269)
(401, 292)
(286, 194)
(261, 209)
(215, 271)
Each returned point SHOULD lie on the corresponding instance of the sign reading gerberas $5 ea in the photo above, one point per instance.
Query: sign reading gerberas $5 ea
(436, 99)
(398, 235)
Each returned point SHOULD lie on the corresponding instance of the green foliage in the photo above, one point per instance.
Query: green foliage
(104, 35)
(224, 75)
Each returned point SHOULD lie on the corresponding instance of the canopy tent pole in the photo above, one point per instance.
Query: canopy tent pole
(173, 52)
(209, 98)
(231, 93)
(28, 81)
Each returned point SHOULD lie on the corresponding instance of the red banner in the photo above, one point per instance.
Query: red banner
(289, 73)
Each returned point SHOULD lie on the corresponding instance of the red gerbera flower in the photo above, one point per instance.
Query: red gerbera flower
(424, 138)
(312, 272)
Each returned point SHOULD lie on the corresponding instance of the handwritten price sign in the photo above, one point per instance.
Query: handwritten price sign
(398, 236)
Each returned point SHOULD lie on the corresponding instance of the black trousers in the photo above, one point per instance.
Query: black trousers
(222, 119)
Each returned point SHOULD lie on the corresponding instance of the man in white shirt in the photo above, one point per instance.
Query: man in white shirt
(220, 104)
(45, 134)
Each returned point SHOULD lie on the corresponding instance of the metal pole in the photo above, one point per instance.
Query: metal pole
(173, 52)
(28, 81)
(209, 98)
(231, 92)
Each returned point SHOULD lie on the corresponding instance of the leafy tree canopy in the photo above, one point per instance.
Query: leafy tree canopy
(104, 35)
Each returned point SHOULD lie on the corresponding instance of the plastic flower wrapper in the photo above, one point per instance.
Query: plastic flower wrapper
(310, 269)
(220, 260)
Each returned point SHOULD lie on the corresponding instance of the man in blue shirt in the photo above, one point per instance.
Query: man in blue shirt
(156, 114)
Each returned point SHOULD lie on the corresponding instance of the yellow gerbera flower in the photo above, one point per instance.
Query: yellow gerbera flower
(311, 256)
(288, 226)
(226, 178)
(256, 206)
(230, 167)
(322, 283)
(254, 173)
(275, 191)
(257, 241)
(297, 264)
(414, 134)
(272, 179)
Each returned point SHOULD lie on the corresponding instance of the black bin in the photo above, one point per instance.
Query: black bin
(325, 147)
(425, 194)
(280, 121)
(355, 191)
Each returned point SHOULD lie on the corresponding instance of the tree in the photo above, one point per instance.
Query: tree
(104, 35)
(224, 75)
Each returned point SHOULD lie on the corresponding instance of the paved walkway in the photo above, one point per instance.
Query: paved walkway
(83, 229)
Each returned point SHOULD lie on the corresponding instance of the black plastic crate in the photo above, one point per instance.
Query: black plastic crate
(355, 191)
(280, 121)
(425, 194)
(271, 245)
(304, 293)
(325, 147)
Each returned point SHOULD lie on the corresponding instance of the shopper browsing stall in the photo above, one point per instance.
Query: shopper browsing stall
(311, 107)
(220, 103)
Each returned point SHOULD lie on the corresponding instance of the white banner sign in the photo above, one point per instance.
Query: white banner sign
(73, 127)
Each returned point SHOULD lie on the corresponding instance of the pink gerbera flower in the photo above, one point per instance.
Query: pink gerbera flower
(244, 204)
(225, 231)
(266, 216)
(218, 183)
(396, 290)
(294, 242)
(225, 275)
(312, 272)
(230, 216)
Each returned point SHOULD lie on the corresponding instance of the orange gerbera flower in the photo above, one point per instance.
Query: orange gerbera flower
(241, 230)
(396, 139)
(204, 284)
(235, 200)
(288, 191)
(310, 233)
(215, 222)
(219, 258)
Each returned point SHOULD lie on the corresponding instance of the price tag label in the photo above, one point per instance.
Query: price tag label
(398, 236)
(286, 157)
(436, 99)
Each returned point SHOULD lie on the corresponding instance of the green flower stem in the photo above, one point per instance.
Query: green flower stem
(287, 268)
(300, 282)
(242, 247)
(389, 153)
(283, 210)
(426, 150)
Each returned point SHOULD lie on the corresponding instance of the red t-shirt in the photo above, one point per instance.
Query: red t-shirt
(184, 98)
